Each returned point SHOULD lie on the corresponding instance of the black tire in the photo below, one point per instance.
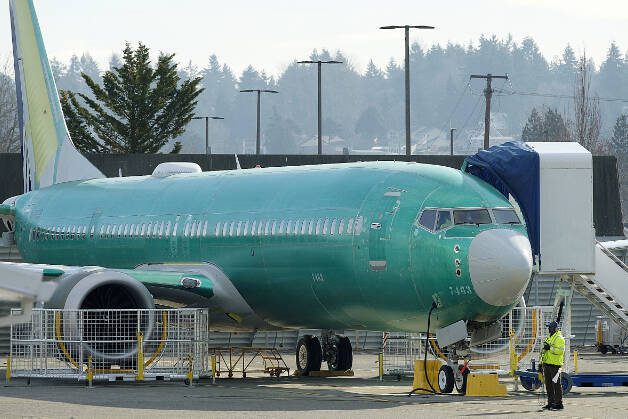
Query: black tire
(344, 354)
(530, 384)
(446, 379)
(460, 379)
(603, 349)
(566, 382)
(309, 355)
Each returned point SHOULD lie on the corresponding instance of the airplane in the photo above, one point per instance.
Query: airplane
(369, 246)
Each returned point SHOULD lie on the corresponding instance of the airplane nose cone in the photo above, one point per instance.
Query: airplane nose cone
(500, 265)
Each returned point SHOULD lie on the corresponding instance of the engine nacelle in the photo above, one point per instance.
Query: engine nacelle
(98, 317)
(99, 288)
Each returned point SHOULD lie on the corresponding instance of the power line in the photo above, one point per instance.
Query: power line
(471, 114)
(448, 120)
(501, 92)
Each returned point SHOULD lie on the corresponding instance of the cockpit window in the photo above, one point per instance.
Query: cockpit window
(443, 220)
(506, 216)
(475, 216)
(427, 219)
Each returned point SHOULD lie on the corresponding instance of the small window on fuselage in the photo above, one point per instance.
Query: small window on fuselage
(472, 216)
(505, 216)
(428, 218)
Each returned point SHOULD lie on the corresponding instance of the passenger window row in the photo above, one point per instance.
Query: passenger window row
(305, 227)
(200, 228)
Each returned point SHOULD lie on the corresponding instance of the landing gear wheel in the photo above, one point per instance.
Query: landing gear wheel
(446, 379)
(344, 354)
(460, 379)
(309, 354)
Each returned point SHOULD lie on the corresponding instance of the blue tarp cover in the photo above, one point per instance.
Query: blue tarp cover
(512, 168)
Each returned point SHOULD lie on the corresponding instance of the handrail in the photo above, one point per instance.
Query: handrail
(611, 255)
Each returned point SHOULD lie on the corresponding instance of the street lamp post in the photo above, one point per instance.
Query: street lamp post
(407, 69)
(259, 94)
(207, 118)
(320, 98)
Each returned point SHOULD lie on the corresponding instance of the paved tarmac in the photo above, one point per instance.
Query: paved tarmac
(360, 396)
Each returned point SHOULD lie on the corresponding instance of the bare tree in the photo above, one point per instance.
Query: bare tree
(587, 110)
(9, 132)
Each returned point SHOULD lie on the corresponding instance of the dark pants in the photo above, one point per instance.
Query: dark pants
(554, 390)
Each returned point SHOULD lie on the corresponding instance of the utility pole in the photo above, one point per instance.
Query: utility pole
(488, 94)
(259, 92)
(207, 118)
(406, 29)
(320, 98)
(451, 138)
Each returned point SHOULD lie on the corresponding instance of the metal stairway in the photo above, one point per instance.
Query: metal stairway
(608, 288)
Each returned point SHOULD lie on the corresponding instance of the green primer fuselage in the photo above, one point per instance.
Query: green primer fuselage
(316, 260)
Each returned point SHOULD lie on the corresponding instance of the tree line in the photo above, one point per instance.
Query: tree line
(362, 108)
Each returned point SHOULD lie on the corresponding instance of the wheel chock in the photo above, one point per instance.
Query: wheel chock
(485, 385)
(419, 382)
(324, 373)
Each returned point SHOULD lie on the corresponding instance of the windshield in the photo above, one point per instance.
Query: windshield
(444, 220)
(506, 216)
(475, 216)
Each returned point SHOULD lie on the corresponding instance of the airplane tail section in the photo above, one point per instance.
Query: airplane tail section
(49, 155)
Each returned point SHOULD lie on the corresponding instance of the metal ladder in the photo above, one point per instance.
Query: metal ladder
(589, 286)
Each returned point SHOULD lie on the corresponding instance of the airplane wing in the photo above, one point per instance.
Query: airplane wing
(149, 286)
(55, 286)
(23, 285)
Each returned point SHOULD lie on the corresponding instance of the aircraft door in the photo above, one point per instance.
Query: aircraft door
(382, 217)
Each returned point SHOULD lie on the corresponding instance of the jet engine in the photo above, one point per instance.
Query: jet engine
(106, 328)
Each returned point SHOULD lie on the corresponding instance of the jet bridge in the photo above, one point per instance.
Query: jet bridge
(552, 184)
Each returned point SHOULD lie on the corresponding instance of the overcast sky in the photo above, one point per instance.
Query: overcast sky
(270, 34)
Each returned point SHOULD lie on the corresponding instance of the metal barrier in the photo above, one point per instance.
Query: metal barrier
(519, 347)
(111, 345)
(230, 361)
(400, 350)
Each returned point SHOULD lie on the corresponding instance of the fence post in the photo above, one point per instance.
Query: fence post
(513, 353)
(8, 372)
(90, 372)
(213, 361)
(190, 374)
(140, 357)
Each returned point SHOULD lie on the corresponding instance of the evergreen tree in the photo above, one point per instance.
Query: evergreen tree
(281, 135)
(136, 110)
(550, 126)
(619, 140)
(370, 126)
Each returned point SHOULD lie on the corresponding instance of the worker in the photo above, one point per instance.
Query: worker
(552, 358)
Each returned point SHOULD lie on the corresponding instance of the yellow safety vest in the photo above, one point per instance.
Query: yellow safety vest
(556, 353)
